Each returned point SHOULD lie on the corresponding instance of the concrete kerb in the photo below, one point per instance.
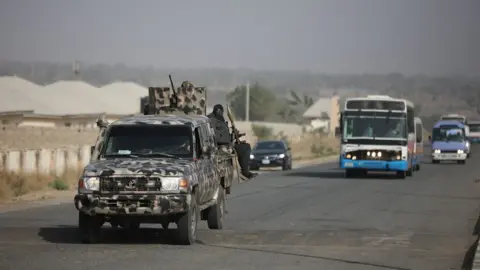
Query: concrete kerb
(476, 256)
(62, 197)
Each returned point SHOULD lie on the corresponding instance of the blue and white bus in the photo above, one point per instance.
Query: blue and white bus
(377, 134)
(474, 132)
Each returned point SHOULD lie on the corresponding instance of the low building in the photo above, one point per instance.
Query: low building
(31, 119)
(324, 113)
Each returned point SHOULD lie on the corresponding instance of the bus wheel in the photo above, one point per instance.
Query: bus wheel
(349, 173)
(401, 174)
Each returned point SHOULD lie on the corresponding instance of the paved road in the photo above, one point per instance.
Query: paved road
(309, 218)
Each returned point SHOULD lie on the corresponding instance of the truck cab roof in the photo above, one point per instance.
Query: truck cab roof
(192, 120)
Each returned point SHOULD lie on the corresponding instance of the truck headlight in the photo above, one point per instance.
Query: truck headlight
(91, 183)
(252, 156)
(281, 156)
(174, 183)
(436, 151)
(460, 151)
(348, 156)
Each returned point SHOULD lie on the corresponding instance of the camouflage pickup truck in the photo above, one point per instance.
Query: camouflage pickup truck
(162, 167)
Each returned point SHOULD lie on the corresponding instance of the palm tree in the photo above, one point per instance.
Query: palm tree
(297, 102)
(295, 106)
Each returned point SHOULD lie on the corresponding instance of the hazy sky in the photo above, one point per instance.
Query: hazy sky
(334, 36)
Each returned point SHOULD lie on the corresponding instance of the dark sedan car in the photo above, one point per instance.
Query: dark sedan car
(267, 154)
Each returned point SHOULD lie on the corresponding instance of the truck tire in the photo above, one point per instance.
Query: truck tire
(187, 224)
(165, 225)
(217, 212)
(132, 225)
(89, 228)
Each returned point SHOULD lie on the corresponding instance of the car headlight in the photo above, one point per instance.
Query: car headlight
(460, 151)
(252, 156)
(281, 156)
(91, 183)
(436, 151)
(174, 183)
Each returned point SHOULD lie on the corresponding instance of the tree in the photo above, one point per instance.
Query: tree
(262, 102)
(296, 107)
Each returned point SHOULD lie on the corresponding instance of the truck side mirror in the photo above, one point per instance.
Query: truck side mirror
(92, 148)
(429, 138)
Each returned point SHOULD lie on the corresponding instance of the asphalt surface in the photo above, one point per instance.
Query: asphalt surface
(308, 218)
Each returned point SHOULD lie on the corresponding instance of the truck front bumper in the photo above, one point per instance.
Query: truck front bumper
(165, 204)
(449, 156)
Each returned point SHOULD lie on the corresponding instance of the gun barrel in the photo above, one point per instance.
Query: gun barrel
(171, 83)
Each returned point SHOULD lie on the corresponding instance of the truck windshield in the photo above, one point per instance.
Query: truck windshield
(459, 119)
(448, 133)
(376, 127)
(149, 140)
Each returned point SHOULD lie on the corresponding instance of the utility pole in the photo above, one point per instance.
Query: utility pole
(76, 69)
(247, 102)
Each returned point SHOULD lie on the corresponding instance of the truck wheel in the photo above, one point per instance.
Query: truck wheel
(435, 161)
(216, 212)
(132, 225)
(401, 174)
(187, 224)
(165, 225)
(89, 228)
(462, 161)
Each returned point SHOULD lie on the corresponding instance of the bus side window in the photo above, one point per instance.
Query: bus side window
(419, 132)
(410, 120)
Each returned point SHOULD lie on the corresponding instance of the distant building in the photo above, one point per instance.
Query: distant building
(324, 113)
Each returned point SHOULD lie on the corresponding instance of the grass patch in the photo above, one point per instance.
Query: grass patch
(17, 184)
(312, 146)
(58, 184)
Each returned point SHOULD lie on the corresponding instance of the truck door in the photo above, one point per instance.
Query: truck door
(207, 142)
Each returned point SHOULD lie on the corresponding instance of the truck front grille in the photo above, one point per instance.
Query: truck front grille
(130, 184)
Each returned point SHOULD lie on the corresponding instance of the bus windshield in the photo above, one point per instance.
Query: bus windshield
(374, 127)
(448, 133)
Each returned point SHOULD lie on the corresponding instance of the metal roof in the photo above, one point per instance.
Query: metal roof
(320, 109)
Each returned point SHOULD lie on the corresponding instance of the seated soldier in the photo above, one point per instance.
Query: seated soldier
(224, 141)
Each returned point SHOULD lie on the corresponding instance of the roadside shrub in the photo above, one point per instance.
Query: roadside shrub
(262, 132)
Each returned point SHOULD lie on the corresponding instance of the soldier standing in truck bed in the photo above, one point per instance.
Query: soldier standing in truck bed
(224, 140)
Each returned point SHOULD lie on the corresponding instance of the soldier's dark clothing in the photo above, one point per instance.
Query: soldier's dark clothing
(222, 133)
(243, 150)
(223, 137)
